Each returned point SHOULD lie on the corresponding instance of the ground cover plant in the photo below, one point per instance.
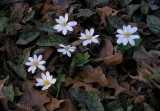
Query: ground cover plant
(80, 55)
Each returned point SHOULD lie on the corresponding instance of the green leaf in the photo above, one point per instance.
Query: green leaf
(60, 80)
(85, 13)
(3, 22)
(148, 108)
(94, 3)
(29, 16)
(125, 2)
(27, 36)
(153, 4)
(116, 106)
(24, 57)
(123, 48)
(155, 76)
(144, 7)
(54, 40)
(116, 22)
(47, 27)
(90, 99)
(9, 92)
(19, 69)
(132, 8)
(153, 23)
(81, 58)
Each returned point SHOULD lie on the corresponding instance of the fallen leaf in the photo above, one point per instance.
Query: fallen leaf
(139, 99)
(54, 104)
(67, 105)
(32, 97)
(90, 75)
(104, 12)
(76, 82)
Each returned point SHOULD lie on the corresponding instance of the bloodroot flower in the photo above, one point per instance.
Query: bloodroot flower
(46, 81)
(88, 37)
(63, 24)
(66, 50)
(126, 35)
(34, 63)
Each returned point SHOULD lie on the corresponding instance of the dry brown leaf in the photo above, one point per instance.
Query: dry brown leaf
(90, 75)
(67, 105)
(112, 83)
(104, 12)
(139, 99)
(32, 97)
(54, 104)
(77, 84)
(77, 42)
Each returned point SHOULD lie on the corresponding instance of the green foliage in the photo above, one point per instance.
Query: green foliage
(47, 27)
(7, 24)
(125, 2)
(155, 76)
(144, 7)
(53, 40)
(116, 106)
(94, 3)
(90, 99)
(24, 57)
(85, 13)
(123, 48)
(153, 23)
(9, 92)
(29, 16)
(132, 8)
(19, 69)
(27, 36)
(60, 80)
(81, 58)
(115, 22)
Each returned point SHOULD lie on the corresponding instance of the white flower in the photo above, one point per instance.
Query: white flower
(34, 63)
(88, 37)
(46, 81)
(63, 24)
(66, 49)
(126, 35)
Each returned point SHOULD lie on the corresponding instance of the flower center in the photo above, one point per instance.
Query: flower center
(46, 82)
(88, 37)
(63, 24)
(35, 63)
(65, 48)
(127, 34)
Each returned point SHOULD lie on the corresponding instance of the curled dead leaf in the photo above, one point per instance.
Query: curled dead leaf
(54, 104)
(90, 75)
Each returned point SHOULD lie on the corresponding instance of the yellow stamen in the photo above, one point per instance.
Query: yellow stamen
(88, 37)
(46, 82)
(127, 34)
(65, 48)
(64, 24)
(35, 63)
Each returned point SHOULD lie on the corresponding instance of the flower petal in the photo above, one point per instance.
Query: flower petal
(35, 57)
(34, 69)
(133, 30)
(30, 68)
(47, 75)
(91, 31)
(131, 41)
(87, 32)
(39, 58)
(125, 41)
(43, 76)
(64, 31)
(60, 29)
(31, 59)
(61, 18)
(85, 43)
(41, 67)
(64, 52)
(56, 27)
(69, 28)
(94, 37)
(66, 17)
(58, 21)
(119, 40)
(135, 36)
(72, 23)
(69, 54)
(120, 35)
(42, 62)
(120, 31)
(95, 40)
(60, 50)
(124, 29)
(53, 81)
(28, 63)
(44, 88)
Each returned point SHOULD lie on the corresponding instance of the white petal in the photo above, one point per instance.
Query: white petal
(42, 62)
(95, 40)
(39, 84)
(56, 27)
(71, 49)
(120, 36)
(61, 45)
(39, 80)
(124, 29)
(28, 63)
(39, 57)
(53, 81)
(41, 67)
(35, 57)
(44, 88)
(87, 32)
(34, 69)
(60, 50)
(60, 29)
(66, 17)
(83, 36)
(135, 36)
(31, 59)
(43, 76)
(69, 54)
(94, 37)
(64, 52)
(119, 40)
(91, 31)
(125, 41)
(85, 43)
(58, 21)
(30, 68)
(61, 18)
(133, 30)
(128, 28)
(131, 41)
(64, 31)
(47, 75)
(120, 31)
(69, 28)
(72, 23)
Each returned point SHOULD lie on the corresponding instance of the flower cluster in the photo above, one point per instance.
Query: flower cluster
(37, 62)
